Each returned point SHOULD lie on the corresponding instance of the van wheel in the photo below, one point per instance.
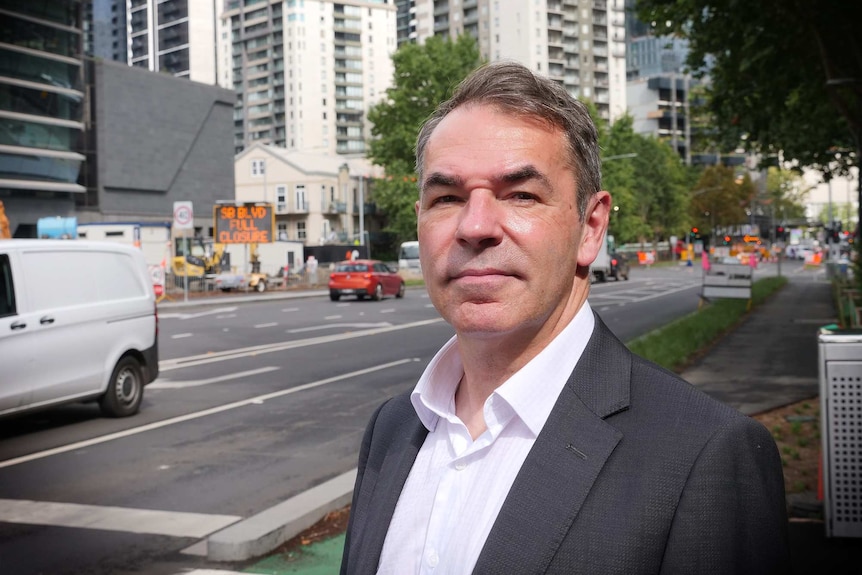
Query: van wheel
(125, 389)
(261, 286)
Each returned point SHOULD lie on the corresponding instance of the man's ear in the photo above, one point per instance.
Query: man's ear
(595, 226)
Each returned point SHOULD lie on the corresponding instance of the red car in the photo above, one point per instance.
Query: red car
(362, 278)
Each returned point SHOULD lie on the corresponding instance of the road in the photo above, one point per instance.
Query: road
(256, 402)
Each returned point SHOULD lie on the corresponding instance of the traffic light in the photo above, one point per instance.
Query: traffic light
(693, 233)
(727, 240)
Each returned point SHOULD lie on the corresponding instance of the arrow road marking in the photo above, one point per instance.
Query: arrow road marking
(168, 384)
(195, 315)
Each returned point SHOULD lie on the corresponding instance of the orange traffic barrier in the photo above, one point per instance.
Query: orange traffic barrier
(646, 258)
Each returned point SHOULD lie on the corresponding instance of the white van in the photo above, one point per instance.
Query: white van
(408, 257)
(77, 323)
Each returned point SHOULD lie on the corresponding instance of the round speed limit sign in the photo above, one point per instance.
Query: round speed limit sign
(183, 215)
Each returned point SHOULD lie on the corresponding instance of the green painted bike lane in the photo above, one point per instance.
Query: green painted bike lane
(320, 558)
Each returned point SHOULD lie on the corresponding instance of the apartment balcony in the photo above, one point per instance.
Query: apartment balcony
(600, 5)
(369, 208)
(336, 208)
(350, 27)
(556, 55)
(441, 9)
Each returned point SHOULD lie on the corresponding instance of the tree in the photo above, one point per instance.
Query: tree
(424, 76)
(720, 199)
(787, 74)
(647, 181)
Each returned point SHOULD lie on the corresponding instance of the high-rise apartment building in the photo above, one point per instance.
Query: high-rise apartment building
(176, 37)
(306, 71)
(105, 30)
(41, 109)
(579, 43)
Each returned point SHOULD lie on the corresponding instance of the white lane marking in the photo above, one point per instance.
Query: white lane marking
(333, 317)
(389, 310)
(181, 335)
(190, 416)
(343, 304)
(168, 384)
(211, 572)
(178, 315)
(212, 357)
(290, 309)
(270, 324)
(171, 523)
(226, 316)
(332, 325)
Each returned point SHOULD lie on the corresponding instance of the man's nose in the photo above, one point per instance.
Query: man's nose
(481, 219)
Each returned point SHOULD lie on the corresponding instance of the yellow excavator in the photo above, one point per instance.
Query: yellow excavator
(202, 258)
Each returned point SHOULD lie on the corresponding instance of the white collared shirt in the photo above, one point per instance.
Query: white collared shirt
(457, 486)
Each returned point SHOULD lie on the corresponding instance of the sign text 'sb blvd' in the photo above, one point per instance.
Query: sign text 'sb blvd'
(243, 223)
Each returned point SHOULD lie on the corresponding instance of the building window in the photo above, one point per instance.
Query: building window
(300, 230)
(301, 200)
(258, 167)
(281, 198)
(282, 231)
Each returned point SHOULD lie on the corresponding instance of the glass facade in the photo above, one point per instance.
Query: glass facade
(41, 97)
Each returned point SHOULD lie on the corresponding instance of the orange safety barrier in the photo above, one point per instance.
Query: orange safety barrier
(813, 259)
(646, 258)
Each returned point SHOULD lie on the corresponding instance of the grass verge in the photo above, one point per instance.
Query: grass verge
(676, 344)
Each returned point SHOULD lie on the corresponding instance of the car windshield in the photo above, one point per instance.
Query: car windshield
(351, 268)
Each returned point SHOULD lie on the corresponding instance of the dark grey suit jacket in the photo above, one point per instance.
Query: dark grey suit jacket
(635, 471)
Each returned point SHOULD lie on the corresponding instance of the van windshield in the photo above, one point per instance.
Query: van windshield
(410, 252)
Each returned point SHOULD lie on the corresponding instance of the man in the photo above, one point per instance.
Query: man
(535, 442)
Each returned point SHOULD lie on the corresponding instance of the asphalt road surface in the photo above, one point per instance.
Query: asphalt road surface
(256, 402)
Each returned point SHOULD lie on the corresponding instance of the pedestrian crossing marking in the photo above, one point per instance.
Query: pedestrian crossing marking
(125, 519)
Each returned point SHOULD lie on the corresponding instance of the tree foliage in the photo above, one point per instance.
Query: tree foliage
(424, 76)
(720, 199)
(649, 190)
(785, 74)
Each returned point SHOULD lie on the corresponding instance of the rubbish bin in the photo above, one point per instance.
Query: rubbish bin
(840, 355)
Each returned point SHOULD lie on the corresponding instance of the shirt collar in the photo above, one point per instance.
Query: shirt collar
(531, 392)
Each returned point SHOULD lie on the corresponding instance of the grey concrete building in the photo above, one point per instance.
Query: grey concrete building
(153, 139)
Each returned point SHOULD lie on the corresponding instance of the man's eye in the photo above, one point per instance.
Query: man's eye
(524, 196)
(445, 199)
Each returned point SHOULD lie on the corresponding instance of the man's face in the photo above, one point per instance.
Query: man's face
(499, 236)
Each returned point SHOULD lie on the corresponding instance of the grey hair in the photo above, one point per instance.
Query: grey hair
(512, 88)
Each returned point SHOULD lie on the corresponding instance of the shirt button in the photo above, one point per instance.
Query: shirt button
(433, 558)
(460, 466)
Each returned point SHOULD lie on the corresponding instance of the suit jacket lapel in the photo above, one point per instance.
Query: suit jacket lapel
(408, 439)
(564, 462)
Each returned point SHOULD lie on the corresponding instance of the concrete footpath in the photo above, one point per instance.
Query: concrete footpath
(769, 361)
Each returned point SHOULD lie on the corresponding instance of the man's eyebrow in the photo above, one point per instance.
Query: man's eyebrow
(523, 174)
(436, 179)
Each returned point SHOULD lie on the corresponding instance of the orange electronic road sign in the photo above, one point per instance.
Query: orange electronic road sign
(250, 223)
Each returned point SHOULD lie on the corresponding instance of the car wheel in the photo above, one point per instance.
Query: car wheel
(125, 389)
(378, 292)
(401, 290)
(626, 277)
(334, 296)
(261, 286)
